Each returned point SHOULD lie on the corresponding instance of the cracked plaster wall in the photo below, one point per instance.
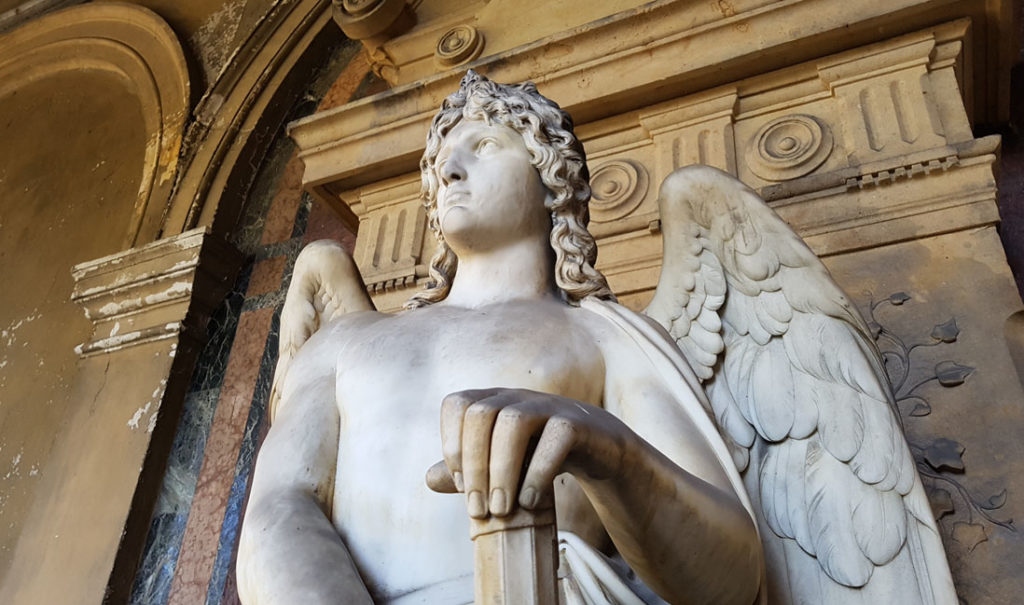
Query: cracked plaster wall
(69, 178)
(82, 222)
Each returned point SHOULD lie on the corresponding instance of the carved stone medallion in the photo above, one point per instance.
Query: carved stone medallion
(460, 44)
(618, 187)
(789, 147)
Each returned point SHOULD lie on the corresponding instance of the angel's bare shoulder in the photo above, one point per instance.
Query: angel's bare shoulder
(611, 339)
(625, 340)
(350, 325)
(317, 357)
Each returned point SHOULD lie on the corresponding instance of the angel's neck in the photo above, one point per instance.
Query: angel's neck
(522, 270)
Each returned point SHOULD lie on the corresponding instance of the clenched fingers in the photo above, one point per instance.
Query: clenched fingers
(514, 428)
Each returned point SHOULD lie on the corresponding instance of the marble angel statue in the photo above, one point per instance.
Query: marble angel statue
(736, 444)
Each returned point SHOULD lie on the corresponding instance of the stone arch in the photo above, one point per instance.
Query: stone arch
(238, 114)
(138, 48)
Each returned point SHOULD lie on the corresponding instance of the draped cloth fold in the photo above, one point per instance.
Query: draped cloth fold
(587, 577)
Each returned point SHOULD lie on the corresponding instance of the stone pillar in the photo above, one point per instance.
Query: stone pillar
(516, 558)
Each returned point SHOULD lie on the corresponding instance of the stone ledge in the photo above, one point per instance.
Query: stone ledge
(146, 294)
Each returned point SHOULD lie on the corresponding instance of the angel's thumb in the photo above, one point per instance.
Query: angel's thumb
(439, 479)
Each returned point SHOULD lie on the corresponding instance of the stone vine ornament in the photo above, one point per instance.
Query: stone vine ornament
(940, 461)
(736, 443)
(789, 147)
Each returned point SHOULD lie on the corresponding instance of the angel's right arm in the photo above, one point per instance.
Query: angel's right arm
(289, 551)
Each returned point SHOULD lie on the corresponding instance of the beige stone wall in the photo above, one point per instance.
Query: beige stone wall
(97, 350)
(82, 140)
(54, 224)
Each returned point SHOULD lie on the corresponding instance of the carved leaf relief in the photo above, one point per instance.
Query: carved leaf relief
(942, 503)
(898, 298)
(939, 463)
(970, 535)
(996, 501)
(946, 332)
(951, 374)
(945, 455)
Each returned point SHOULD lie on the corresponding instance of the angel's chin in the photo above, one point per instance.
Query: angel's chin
(454, 220)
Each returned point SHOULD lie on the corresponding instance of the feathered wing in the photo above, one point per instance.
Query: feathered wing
(799, 392)
(325, 285)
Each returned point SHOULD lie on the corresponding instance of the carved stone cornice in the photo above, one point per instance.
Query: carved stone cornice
(861, 149)
(638, 57)
(858, 149)
(154, 292)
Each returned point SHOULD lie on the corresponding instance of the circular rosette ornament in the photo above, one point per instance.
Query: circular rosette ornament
(789, 147)
(460, 44)
(362, 19)
(618, 187)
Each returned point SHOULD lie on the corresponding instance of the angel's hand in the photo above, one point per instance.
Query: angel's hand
(488, 438)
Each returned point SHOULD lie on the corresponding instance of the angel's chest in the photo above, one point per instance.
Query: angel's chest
(404, 369)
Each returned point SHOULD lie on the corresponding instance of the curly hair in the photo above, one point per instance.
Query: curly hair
(557, 155)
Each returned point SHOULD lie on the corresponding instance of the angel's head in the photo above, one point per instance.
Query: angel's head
(555, 153)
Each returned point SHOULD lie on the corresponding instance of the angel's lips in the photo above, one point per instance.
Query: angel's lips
(452, 199)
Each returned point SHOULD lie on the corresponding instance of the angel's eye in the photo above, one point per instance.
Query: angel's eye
(486, 145)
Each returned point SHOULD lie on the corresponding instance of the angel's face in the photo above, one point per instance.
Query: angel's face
(490, 193)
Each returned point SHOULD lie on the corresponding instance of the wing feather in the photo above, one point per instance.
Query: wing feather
(840, 421)
(794, 484)
(887, 513)
(805, 398)
(772, 410)
(709, 320)
(873, 459)
(791, 372)
(775, 503)
(828, 498)
(727, 413)
(325, 285)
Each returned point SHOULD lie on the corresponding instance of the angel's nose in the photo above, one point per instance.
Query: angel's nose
(452, 170)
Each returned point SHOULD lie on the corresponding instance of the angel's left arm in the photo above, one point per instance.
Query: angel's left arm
(673, 513)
